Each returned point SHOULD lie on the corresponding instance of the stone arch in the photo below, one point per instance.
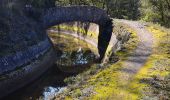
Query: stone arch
(19, 68)
(58, 15)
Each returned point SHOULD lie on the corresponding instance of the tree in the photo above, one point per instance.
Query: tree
(156, 11)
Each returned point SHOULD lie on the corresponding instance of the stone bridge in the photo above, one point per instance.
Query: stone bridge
(30, 51)
(55, 16)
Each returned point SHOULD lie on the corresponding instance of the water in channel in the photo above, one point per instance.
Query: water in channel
(74, 56)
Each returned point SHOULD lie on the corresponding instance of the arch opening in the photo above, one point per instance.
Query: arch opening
(75, 44)
(58, 15)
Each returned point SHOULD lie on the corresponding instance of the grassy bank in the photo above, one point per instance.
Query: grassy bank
(108, 83)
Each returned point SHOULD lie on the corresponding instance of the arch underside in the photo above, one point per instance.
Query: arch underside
(58, 15)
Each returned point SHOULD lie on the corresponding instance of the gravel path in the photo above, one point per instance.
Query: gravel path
(144, 49)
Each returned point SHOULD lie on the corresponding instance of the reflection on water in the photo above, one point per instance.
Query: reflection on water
(73, 52)
(71, 55)
(50, 92)
(74, 58)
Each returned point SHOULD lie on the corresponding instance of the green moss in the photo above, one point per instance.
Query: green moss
(77, 93)
(108, 83)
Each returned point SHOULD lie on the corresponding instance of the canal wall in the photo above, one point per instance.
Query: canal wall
(28, 72)
(15, 61)
(16, 70)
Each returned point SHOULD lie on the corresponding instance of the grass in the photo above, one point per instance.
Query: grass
(108, 83)
(152, 81)
(102, 82)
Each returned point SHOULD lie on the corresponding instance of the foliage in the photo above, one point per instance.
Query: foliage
(149, 10)
(156, 11)
(116, 8)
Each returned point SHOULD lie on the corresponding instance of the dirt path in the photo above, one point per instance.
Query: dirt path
(144, 49)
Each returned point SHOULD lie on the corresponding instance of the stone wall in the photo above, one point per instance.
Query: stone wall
(18, 78)
(60, 15)
(14, 61)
